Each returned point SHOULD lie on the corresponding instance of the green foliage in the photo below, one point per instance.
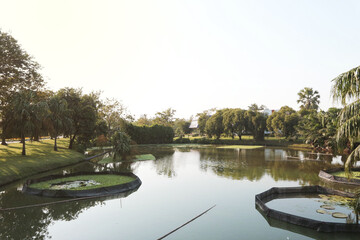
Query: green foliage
(202, 119)
(181, 127)
(112, 113)
(229, 122)
(256, 122)
(121, 145)
(319, 128)
(155, 134)
(345, 88)
(18, 72)
(27, 115)
(165, 118)
(309, 98)
(283, 122)
(83, 112)
(58, 116)
(214, 125)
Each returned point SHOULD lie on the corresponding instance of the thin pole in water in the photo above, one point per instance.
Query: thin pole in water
(186, 223)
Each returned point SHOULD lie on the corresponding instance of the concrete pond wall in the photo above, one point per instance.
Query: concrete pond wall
(275, 193)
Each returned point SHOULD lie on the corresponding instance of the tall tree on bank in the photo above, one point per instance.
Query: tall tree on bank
(283, 122)
(309, 99)
(256, 121)
(83, 112)
(27, 114)
(165, 118)
(214, 125)
(18, 71)
(58, 117)
(346, 90)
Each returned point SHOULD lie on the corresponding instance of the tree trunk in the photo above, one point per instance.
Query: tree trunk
(23, 147)
(239, 137)
(3, 138)
(55, 145)
(72, 139)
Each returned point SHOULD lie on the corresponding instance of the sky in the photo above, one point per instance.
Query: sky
(189, 55)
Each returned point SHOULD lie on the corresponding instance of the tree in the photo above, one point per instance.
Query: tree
(121, 144)
(165, 118)
(58, 116)
(346, 89)
(214, 126)
(144, 121)
(283, 122)
(319, 128)
(309, 98)
(202, 119)
(83, 112)
(112, 112)
(181, 127)
(239, 121)
(18, 71)
(229, 122)
(27, 114)
(256, 121)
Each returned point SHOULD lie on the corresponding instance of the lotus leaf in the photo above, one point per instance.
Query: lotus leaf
(339, 215)
(327, 207)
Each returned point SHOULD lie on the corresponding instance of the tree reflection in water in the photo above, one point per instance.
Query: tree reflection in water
(253, 164)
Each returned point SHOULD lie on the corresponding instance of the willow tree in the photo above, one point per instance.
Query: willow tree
(346, 89)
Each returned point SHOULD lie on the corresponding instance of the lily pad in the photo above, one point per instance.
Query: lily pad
(321, 211)
(339, 215)
(327, 207)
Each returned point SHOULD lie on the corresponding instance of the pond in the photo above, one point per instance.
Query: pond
(182, 183)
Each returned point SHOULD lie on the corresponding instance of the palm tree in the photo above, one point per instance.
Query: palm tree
(27, 114)
(58, 116)
(346, 88)
(309, 99)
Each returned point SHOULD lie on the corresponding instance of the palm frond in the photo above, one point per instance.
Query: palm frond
(349, 121)
(350, 161)
(346, 85)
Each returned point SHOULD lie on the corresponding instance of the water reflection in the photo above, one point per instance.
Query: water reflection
(256, 163)
(173, 162)
(33, 222)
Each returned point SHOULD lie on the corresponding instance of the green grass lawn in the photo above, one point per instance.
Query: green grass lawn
(40, 157)
(241, 147)
(105, 180)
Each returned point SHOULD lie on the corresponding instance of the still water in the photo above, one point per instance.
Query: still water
(182, 183)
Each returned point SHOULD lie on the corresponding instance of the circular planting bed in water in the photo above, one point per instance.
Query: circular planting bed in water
(82, 184)
(337, 175)
(314, 207)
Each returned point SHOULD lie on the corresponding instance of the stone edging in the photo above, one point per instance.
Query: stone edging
(82, 193)
(320, 226)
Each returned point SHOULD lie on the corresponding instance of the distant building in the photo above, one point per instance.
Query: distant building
(194, 124)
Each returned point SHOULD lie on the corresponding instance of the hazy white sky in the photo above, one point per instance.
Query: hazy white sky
(189, 55)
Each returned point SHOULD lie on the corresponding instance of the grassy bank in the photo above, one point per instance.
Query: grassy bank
(246, 140)
(40, 157)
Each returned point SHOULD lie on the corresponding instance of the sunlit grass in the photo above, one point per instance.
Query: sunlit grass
(40, 156)
(143, 157)
(241, 147)
(353, 174)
